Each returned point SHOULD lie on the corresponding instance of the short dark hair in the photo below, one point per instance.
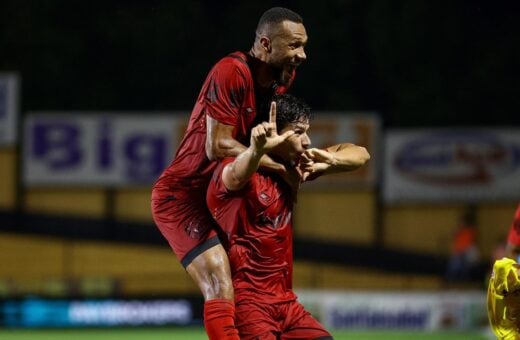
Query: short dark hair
(277, 15)
(290, 109)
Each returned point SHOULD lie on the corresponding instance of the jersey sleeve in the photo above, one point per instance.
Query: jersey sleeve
(226, 91)
(217, 191)
(223, 204)
(219, 198)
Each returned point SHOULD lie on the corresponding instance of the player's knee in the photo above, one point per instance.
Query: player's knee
(222, 285)
(216, 287)
(217, 291)
(220, 277)
(212, 273)
(217, 284)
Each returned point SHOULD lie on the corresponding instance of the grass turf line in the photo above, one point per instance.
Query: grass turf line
(199, 334)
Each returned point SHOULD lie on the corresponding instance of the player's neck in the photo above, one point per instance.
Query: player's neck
(263, 72)
(281, 159)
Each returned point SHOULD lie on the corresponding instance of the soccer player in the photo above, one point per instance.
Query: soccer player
(254, 208)
(503, 297)
(231, 98)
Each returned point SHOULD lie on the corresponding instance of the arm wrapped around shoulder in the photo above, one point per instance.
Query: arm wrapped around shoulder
(503, 299)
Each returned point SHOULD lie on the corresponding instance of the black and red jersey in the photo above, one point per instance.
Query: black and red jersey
(228, 95)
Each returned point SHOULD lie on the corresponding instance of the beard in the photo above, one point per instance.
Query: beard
(286, 75)
(283, 74)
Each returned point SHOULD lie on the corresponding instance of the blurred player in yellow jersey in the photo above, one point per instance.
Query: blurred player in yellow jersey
(503, 297)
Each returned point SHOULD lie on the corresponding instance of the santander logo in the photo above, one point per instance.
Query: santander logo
(457, 158)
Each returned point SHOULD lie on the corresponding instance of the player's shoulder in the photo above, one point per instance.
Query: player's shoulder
(238, 59)
(222, 164)
(234, 61)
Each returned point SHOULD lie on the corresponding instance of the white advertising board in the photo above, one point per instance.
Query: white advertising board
(117, 149)
(396, 310)
(97, 149)
(461, 165)
(330, 128)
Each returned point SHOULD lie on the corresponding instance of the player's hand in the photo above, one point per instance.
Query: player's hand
(315, 160)
(264, 136)
(292, 176)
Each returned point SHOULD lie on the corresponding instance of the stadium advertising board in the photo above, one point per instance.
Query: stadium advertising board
(36, 312)
(76, 148)
(9, 86)
(463, 165)
(396, 310)
(329, 128)
(97, 149)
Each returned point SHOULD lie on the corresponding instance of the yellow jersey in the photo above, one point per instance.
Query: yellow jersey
(503, 300)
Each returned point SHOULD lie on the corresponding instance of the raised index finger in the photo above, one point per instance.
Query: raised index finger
(272, 113)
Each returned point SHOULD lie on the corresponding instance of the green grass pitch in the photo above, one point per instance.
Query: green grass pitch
(198, 334)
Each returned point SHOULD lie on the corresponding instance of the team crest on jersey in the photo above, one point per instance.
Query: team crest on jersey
(265, 197)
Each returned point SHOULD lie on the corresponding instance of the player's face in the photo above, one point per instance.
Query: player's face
(293, 147)
(287, 50)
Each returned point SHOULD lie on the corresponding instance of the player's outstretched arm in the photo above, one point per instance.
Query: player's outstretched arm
(264, 137)
(337, 158)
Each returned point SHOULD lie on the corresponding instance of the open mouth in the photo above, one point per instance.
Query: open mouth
(291, 67)
(287, 72)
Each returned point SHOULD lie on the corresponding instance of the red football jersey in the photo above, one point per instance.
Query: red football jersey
(258, 222)
(228, 96)
(514, 231)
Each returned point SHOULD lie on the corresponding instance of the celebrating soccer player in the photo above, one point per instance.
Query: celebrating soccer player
(254, 208)
(232, 97)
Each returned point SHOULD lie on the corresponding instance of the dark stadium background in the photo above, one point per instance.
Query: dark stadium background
(417, 64)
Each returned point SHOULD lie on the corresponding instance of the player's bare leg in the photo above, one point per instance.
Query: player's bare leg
(211, 271)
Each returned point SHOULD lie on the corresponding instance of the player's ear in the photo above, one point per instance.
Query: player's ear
(265, 42)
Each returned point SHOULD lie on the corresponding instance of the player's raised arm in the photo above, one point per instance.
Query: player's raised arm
(264, 137)
(221, 144)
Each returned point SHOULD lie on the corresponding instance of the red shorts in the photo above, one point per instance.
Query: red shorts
(288, 320)
(184, 220)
